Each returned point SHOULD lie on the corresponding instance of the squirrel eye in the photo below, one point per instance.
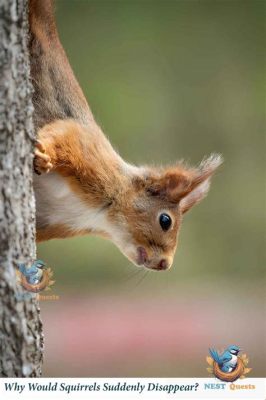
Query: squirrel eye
(165, 222)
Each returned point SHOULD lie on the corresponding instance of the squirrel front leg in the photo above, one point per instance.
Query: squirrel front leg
(58, 145)
(42, 161)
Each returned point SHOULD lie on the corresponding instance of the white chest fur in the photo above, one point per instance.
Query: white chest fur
(58, 204)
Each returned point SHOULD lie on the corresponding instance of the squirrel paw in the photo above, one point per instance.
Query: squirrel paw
(42, 162)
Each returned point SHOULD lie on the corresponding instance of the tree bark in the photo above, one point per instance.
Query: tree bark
(21, 337)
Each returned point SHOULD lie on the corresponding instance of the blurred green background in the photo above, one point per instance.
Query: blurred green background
(168, 80)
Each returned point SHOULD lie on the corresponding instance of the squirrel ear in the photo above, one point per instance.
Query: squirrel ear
(195, 196)
(170, 184)
(200, 183)
(186, 186)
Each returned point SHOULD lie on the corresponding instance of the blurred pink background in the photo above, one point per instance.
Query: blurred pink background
(120, 335)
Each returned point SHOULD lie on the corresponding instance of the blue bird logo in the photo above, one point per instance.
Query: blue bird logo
(228, 365)
(227, 361)
(35, 277)
(34, 273)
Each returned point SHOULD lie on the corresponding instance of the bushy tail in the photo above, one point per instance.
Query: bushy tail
(41, 15)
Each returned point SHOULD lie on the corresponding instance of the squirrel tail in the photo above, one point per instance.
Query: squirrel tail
(41, 16)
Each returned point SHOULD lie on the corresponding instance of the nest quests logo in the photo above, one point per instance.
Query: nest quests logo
(36, 277)
(228, 365)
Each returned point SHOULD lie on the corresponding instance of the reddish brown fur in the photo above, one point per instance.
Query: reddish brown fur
(77, 151)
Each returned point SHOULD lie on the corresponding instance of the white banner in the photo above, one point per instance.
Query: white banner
(130, 388)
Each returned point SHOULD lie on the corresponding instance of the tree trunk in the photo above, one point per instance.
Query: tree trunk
(20, 325)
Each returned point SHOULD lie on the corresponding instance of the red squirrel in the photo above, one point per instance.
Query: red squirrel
(82, 185)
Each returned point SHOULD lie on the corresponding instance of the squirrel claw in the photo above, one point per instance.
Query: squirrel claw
(42, 162)
(39, 146)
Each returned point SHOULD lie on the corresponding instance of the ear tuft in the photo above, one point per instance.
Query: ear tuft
(210, 164)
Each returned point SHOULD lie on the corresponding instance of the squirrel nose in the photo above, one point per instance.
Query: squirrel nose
(163, 264)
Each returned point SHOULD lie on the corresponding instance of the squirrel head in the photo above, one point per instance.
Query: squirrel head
(148, 222)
